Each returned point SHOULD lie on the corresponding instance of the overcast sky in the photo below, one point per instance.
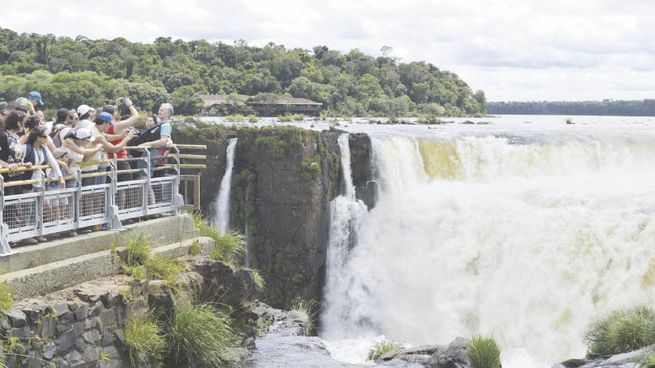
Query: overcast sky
(511, 49)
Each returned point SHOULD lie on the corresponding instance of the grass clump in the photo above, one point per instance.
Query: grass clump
(164, 269)
(195, 248)
(260, 283)
(228, 246)
(138, 250)
(621, 332)
(143, 338)
(6, 298)
(199, 335)
(483, 352)
(310, 308)
(383, 347)
(648, 361)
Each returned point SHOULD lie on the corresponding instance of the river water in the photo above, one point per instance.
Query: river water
(523, 228)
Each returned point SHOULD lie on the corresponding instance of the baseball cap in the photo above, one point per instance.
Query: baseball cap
(84, 134)
(109, 108)
(83, 109)
(103, 117)
(34, 95)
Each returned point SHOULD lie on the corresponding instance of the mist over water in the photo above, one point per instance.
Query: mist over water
(528, 242)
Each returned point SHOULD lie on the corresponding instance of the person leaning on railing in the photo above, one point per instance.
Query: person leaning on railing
(159, 146)
(76, 145)
(115, 134)
(11, 150)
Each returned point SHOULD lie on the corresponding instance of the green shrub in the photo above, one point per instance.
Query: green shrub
(648, 361)
(621, 332)
(383, 347)
(164, 269)
(199, 334)
(6, 298)
(483, 352)
(310, 308)
(253, 118)
(195, 248)
(237, 118)
(143, 338)
(228, 246)
(260, 283)
(137, 249)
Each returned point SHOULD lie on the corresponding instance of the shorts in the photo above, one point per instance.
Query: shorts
(123, 165)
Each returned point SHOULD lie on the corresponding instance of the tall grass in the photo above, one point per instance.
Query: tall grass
(621, 332)
(199, 334)
(483, 352)
(138, 250)
(143, 338)
(383, 347)
(164, 269)
(6, 298)
(310, 308)
(228, 246)
(260, 283)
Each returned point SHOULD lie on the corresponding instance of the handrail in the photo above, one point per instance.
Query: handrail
(38, 210)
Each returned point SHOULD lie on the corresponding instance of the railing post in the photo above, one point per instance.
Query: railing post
(78, 197)
(40, 203)
(147, 188)
(115, 221)
(178, 199)
(4, 229)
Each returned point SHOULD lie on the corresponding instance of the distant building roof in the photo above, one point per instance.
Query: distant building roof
(287, 101)
(211, 100)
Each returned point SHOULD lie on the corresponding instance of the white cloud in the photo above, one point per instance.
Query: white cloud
(512, 49)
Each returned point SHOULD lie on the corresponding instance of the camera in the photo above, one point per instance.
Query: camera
(123, 109)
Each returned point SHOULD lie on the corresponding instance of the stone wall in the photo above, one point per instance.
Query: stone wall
(84, 326)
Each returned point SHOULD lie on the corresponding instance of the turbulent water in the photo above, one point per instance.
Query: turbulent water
(525, 232)
(221, 217)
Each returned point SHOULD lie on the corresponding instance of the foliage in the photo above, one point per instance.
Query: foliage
(138, 250)
(260, 283)
(143, 337)
(383, 347)
(605, 107)
(648, 361)
(228, 246)
(196, 248)
(483, 352)
(69, 72)
(310, 308)
(622, 331)
(158, 268)
(6, 298)
(291, 117)
(199, 334)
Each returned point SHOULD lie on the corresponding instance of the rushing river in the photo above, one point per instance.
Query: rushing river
(525, 229)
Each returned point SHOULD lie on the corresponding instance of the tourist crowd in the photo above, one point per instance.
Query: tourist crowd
(85, 138)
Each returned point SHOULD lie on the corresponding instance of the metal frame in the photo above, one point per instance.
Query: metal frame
(25, 216)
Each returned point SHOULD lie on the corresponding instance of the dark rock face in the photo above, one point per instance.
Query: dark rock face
(361, 168)
(282, 183)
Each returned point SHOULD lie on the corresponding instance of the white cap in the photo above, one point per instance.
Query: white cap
(84, 134)
(83, 109)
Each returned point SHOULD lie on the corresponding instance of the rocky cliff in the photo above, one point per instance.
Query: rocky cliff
(282, 183)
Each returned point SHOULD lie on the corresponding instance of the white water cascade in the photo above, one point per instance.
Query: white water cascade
(528, 243)
(346, 215)
(221, 217)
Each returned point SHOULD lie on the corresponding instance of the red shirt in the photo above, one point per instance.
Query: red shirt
(121, 153)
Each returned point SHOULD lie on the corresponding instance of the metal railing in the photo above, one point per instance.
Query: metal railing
(42, 209)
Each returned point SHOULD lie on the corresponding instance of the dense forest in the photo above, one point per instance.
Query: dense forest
(69, 72)
(605, 107)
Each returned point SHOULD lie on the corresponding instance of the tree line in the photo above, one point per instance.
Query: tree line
(70, 71)
(605, 107)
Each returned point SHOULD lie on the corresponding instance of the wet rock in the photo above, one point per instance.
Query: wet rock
(452, 356)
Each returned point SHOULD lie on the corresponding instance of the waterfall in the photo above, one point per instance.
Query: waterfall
(346, 214)
(222, 205)
(528, 243)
